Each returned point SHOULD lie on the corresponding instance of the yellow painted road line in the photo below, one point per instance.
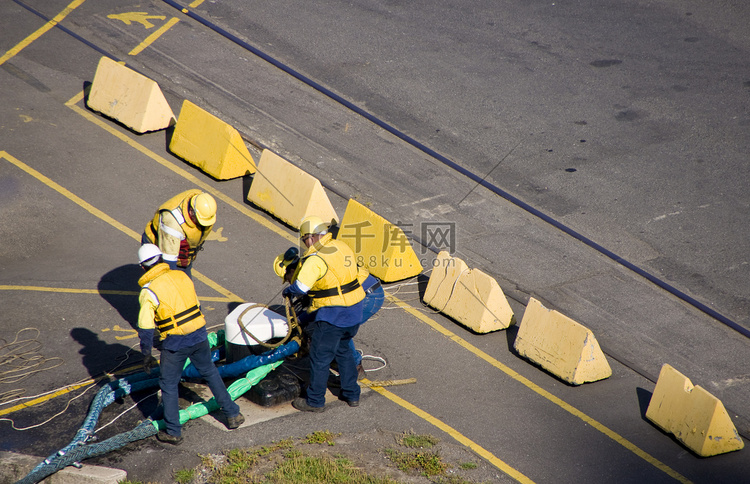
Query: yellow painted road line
(65, 390)
(489, 456)
(409, 309)
(45, 398)
(69, 290)
(151, 38)
(540, 391)
(103, 216)
(31, 38)
(70, 195)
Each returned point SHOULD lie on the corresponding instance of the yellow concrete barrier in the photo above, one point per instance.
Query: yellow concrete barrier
(560, 345)
(379, 245)
(287, 192)
(210, 144)
(128, 97)
(469, 296)
(695, 417)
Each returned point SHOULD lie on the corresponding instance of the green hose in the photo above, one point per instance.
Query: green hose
(236, 389)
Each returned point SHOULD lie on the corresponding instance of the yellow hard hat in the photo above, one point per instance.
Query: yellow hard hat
(282, 261)
(204, 206)
(312, 225)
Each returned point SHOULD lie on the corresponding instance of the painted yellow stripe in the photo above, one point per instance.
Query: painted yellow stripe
(101, 291)
(65, 390)
(518, 476)
(414, 312)
(151, 38)
(103, 216)
(45, 398)
(70, 195)
(66, 290)
(540, 391)
(31, 38)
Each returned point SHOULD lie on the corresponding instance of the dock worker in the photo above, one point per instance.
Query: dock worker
(180, 226)
(285, 266)
(327, 273)
(170, 306)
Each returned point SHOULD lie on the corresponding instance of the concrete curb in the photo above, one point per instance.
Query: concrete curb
(16, 466)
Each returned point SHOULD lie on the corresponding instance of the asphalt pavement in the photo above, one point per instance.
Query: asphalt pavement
(76, 190)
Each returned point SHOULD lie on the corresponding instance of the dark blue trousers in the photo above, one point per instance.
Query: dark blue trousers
(171, 364)
(372, 304)
(331, 342)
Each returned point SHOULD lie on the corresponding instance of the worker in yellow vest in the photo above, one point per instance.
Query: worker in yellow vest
(169, 304)
(327, 273)
(180, 226)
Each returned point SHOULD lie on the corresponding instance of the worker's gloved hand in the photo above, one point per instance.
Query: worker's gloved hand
(287, 292)
(149, 362)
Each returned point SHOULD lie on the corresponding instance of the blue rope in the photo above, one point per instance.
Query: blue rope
(249, 362)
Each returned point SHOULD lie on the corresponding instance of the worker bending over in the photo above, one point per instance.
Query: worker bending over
(180, 226)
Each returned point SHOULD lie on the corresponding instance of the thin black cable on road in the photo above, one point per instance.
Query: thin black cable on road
(472, 176)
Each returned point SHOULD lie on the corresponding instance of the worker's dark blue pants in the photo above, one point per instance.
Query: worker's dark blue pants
(329, 342)
(171, 364)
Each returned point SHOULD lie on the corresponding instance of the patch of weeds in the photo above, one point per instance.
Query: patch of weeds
(207, 462)
(416, 441)
(320, 470)
(468, 465)
(425, 463)
(321, 437)
(184, 476)
(237, 468)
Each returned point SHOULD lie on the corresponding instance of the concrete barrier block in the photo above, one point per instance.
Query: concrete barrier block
(14, 467)
(287, 192)
(469, 296)
(128, 97)
(694, 416)
(443, 279)
(210, 144)
(380, 246)
(560, 345)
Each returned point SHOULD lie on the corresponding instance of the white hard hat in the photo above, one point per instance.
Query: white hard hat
(148, 254)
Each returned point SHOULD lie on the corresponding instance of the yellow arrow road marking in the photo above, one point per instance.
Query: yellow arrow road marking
(139, 17)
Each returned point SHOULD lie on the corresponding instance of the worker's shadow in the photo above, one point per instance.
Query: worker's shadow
(119, 287)
(100, 357)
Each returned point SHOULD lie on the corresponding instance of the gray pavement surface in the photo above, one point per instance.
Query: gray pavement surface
(627, 122)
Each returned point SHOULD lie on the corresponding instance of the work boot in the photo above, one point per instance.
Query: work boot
(235, 422)
(301, 404)
(163, 436)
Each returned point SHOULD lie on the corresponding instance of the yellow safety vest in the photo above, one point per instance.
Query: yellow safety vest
(177, 310)
(339, 286)
(195, 235)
